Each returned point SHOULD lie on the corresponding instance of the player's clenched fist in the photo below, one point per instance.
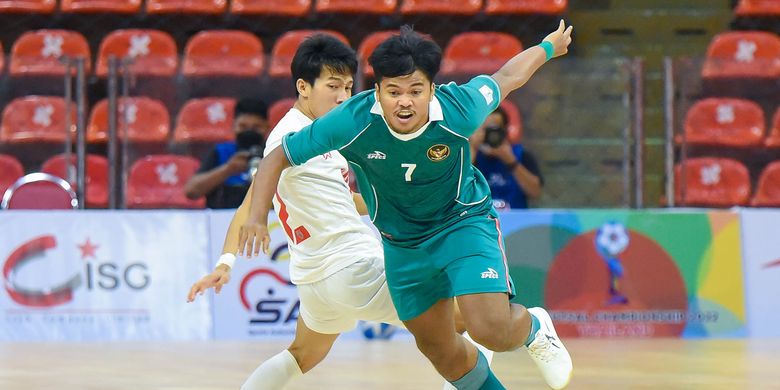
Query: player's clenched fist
(215, 280)
(560, 39)
(252, 237)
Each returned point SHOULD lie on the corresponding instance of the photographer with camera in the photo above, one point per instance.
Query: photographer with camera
(511, 171)
(226, 172)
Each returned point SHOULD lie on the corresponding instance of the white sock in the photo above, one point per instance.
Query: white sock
(274, 373)
(488, 355)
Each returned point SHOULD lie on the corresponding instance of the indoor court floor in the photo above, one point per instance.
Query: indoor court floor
(379, 365)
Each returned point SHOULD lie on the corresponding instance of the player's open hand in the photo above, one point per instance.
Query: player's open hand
(252, 237)
(560, 39)
(215, 280)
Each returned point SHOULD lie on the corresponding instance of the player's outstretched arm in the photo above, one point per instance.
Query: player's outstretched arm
(253, 234)
(221, 274)
(519, 69)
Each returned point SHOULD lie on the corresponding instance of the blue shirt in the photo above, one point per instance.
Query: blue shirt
(503, 186)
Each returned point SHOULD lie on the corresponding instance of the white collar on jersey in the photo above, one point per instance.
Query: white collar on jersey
(434, 114)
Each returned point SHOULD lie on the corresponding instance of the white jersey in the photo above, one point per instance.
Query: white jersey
(314, 204)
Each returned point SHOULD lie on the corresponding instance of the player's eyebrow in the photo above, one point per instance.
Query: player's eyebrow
(414, 84)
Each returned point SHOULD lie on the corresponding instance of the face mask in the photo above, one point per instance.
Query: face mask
(249, 138)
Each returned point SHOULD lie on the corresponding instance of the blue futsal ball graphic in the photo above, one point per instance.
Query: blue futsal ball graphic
(376, 331)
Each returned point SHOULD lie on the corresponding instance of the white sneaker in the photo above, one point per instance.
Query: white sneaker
(548, 352)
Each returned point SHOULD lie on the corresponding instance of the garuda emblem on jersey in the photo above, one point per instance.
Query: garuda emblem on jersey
(438, 152)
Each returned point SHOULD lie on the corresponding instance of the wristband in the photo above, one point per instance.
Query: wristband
(549, 50)
(511, 167)
(228, 259)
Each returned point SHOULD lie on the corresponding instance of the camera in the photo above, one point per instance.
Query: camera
(252, 141)
(255, 155)
(494, 136)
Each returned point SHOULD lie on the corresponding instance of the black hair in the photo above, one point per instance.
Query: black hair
(251, 107)
(318, 52)
(404, 53)
(502, 113)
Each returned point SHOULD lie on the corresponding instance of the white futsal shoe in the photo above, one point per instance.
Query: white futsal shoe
(548, 352)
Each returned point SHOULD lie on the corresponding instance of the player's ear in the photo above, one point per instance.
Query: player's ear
(433, 90)
(303, 88)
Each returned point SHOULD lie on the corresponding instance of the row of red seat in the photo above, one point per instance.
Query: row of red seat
(228, 52)
(290, 7)
(758, 8)
(42, 119)
(155, 181)
(729, 122)
(724, 182)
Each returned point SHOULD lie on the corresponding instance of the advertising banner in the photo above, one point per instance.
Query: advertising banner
(101, 275)
(605, 273)
(761, 235)
(259, 301)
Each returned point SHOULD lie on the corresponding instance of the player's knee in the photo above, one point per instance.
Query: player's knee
(434, 349)
(307, 356)
(493, 336)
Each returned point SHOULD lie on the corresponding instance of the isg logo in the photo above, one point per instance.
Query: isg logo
(97, 275)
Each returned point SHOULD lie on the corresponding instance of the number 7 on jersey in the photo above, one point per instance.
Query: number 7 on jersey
(409, 170)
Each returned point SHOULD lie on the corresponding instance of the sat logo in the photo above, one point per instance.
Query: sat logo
(270, 298)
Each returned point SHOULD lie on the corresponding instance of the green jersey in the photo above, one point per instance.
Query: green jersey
(418, 184)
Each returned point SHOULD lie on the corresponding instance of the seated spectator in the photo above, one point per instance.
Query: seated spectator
(226, 172)
(511, 170)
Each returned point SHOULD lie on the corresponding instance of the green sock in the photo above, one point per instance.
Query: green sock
(534, 327)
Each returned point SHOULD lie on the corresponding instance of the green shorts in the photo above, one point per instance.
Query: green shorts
(465, 258)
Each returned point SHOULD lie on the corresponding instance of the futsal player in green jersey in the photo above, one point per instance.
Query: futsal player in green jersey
(407, 141)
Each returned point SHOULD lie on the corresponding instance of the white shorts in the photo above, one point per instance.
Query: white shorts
(357, 292)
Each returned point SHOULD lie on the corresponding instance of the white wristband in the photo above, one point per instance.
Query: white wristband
(228, 259)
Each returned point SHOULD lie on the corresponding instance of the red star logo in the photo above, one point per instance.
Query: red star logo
(87, 249)
(772, 264)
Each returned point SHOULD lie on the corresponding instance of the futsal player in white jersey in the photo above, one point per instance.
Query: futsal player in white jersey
(335, 260)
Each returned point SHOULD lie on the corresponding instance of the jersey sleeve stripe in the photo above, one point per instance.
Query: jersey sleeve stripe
(356, 137)
(287, 151)
(454, 133)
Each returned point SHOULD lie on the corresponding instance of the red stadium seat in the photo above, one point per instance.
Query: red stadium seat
(96, 176)
(457, 7)
(724, 122)
(278, 110)
(383, 7)
(10, 171)
(773, 139)
(38, 53)
(147, 121)
(33, 119)
(212, 7)
(285, 47)
(25, 6)
(95, 6)
(153, 52)
(552, 7)
(205, 120)
(514, 128)
(713, 182)
(743, 54)
(271, 7)
(758, 8)
(367, 47)
(223, 53)
(479, 52)
(157, 181)
(40, 191)
(768, 189)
